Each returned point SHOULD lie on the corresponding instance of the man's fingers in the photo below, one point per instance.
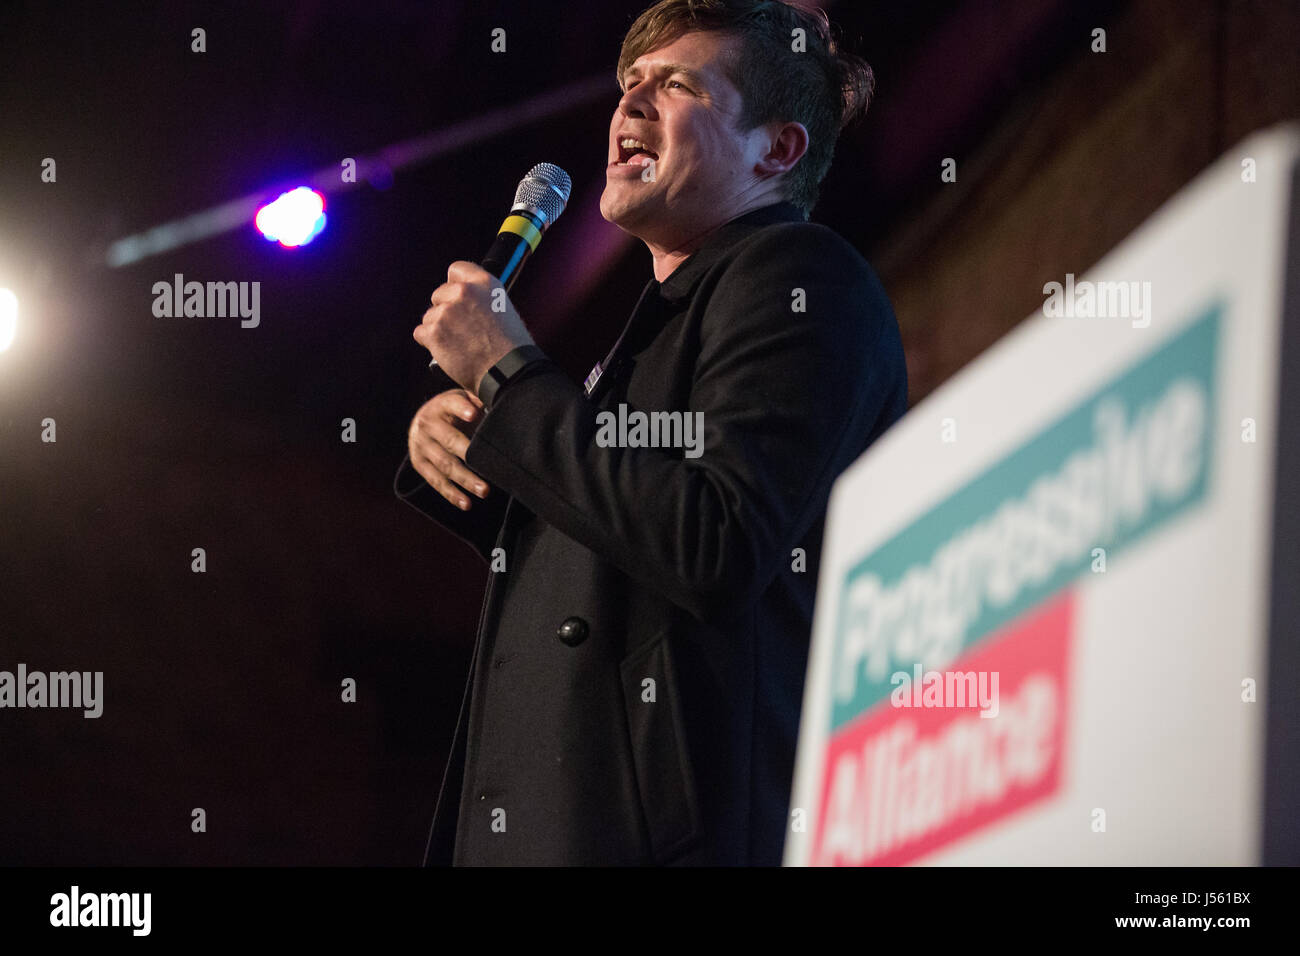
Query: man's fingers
(434, 477)
(466, 406)
(457, 403)
(460, 473)
(445, 446)
(465, 271)
(445, 475)
(452, 467)
(447, 435)
(438, 445)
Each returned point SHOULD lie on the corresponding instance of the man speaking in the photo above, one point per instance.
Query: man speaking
(635, 687)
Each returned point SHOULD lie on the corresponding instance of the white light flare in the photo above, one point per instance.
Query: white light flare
(294, 218)
(8, 318)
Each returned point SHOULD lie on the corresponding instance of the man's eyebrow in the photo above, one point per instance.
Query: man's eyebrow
(669, 69)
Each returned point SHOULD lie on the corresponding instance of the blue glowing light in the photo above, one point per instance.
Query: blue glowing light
(294, 218)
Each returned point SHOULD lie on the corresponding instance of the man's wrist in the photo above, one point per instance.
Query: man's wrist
(508, 368)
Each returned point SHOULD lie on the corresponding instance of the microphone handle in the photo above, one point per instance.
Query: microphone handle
(515, 242)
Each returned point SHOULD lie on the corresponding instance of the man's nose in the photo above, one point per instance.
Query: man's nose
(636, 103)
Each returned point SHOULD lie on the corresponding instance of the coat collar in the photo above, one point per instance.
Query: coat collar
(681, 283)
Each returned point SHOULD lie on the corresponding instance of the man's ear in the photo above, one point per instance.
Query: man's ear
(787, 144)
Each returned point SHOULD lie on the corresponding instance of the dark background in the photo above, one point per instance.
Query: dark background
(222, 689)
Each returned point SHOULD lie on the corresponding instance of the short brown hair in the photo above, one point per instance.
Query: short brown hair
(822, 87)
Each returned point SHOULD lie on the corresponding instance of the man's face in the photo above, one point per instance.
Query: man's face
(678, 101)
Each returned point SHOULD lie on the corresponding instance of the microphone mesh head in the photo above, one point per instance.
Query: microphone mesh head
(544, 192)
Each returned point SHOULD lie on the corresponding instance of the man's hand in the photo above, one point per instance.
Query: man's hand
(463, 332)
(437, 440)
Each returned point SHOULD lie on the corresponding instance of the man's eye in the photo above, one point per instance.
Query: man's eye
(630, 84)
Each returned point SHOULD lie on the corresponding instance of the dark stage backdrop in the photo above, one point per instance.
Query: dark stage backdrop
(222, 690)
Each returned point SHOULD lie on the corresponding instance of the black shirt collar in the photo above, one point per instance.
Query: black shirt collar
(683, 279)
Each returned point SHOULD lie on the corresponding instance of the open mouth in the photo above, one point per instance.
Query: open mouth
(633, 152)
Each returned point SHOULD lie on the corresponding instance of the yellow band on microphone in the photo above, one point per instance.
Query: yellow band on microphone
(523, 228)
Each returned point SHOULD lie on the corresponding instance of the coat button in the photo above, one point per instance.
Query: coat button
(572, 632)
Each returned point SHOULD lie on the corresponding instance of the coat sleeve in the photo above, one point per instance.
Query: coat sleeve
(477, 527)
(788, 398)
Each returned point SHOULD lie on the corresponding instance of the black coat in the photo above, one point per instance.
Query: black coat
(635, 687)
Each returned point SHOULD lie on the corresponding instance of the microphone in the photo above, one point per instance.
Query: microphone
(539, 200)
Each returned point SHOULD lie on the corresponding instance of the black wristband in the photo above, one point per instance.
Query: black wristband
(510, 365)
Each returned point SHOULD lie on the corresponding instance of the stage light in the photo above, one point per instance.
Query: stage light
(294, 218)
(8, 318)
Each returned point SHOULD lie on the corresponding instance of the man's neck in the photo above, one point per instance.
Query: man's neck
(668, 257)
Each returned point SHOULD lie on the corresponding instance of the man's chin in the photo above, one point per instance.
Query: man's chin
(618, 210)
